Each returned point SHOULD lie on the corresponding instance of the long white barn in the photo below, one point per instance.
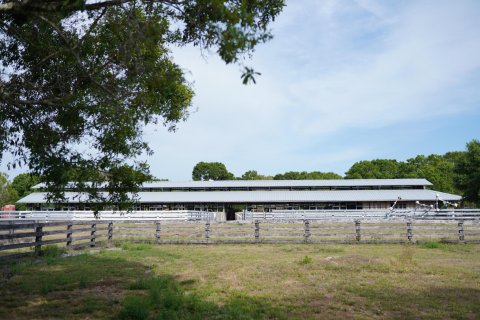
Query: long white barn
(227, 197)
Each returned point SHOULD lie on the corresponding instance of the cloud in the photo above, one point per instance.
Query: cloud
(341, 81)
(333, 67)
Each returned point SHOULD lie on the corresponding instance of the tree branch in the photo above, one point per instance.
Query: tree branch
(27, 6)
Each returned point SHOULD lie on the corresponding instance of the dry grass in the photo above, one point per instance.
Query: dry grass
(431, 281)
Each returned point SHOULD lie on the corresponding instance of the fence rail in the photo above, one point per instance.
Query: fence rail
(180, 215)
(194, 215)
(19, 238)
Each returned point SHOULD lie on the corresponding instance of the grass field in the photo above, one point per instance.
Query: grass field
(141, 281)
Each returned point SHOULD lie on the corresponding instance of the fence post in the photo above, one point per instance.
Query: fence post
(157, 231)
(357, 230)
(92, 235)
(257, 230)
(461, 231)
(110, 231)
(69, 235)
(207, 230)
(409, 231)
(11, 230)
(38, 238)
(306, 235)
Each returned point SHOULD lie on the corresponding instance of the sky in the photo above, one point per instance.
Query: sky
(342, 81)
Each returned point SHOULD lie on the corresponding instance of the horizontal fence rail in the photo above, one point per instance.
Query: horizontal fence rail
(21, 238)
(290, 215)
(180, 215)
(443, 214)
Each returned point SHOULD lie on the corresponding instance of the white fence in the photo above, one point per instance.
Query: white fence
(457, 214)
(179, 215)
(192, 215)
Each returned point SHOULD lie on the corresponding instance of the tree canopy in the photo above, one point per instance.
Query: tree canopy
(253, 175)
(374, 169)
(468, 171)
(204, 171)
(437, 169)
(79, 80)
(304, 175)
(8, 195)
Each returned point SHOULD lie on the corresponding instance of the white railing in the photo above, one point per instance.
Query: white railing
(181, 215)
(193, 215)
(359, 214)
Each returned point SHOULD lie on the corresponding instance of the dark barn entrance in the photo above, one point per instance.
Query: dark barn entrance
(230, 212)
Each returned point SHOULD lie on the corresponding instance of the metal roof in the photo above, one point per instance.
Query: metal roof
(288, 183)
(280, 183)
(269, 196)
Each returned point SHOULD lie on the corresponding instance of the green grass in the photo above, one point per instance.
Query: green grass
(305, 260)
(143, 281)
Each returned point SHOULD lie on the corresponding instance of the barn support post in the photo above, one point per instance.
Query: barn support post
(38, 238)
(358, 235)
(409, 231)
(69, 235)
(93, 235)
(306, 234)
(157, 231)
(461, 231)
(257, 231)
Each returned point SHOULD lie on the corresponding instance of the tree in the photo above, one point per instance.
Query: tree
(468, 170)
(304, 175)
(439, 170)
(23, 184)
(204, 171)
(253, 175)
(374, 169)
(8, 195)
(79, 80)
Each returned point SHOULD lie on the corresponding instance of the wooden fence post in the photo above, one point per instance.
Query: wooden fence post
(357, 230)
(306, 234)
(409, 231)
(257, 231)
(69, 235)
(11, 231)
(157, 231)
(207, 230)
(38, 238)
(461, 231)
(110, 231)
(92, 235)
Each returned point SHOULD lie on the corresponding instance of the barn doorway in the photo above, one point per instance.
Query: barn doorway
(230, 212)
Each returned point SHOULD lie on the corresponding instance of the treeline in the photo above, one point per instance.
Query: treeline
(217, 171)
(454, 172)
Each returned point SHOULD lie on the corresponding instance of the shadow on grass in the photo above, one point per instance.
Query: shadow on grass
(163, 297)
(111, 287)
